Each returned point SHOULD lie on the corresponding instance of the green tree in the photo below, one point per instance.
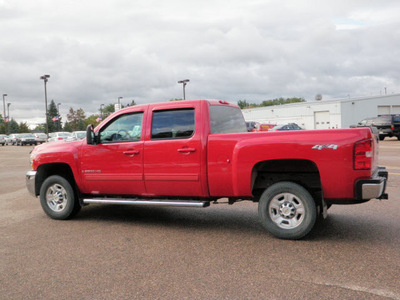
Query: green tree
(108, 110)
(54, 125)
(2, 125)
(23, 127)
(76, 119)
(92, 120)
(13, 126)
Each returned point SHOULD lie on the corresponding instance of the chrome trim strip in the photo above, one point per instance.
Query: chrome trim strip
(164, 203)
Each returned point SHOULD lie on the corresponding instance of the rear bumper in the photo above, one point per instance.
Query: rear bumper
(373, 188)
(30, 182)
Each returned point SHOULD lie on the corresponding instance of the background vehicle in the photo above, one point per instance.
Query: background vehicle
(13, 139)
(25, 139)
(58, 136)
(3, 139)
(40, 137)
(290, 126)
(193, 153)
(263, 127)
(386, 125)
(76, 136)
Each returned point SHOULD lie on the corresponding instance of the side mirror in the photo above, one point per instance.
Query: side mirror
(90, 138)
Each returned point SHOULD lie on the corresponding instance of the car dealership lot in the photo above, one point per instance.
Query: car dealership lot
(120, 252)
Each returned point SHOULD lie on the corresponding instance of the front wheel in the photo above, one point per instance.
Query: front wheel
(287, 210)
(58, 199)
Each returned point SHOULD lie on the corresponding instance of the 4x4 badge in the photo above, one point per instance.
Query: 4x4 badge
(320, 147)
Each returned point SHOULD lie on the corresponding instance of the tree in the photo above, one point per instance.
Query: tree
(13, 126)
(76, 119)
(23, 127)
(54, 120)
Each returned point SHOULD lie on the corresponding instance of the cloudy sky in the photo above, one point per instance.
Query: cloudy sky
(96, 51)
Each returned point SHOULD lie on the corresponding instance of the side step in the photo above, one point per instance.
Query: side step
(137, 202)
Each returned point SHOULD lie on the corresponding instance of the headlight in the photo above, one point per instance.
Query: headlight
(31, 159)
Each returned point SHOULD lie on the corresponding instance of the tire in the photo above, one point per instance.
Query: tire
(58, 199)
(287, 210)
(381, 137)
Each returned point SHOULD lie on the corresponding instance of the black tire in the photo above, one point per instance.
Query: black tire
(58, 199)
(287, 210)
(381, 137)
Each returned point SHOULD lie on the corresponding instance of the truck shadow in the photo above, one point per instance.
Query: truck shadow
(337, 227)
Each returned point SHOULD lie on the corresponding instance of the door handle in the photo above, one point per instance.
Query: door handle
(186, 150)
(131, 152)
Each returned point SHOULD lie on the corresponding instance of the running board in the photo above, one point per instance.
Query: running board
(165, 203)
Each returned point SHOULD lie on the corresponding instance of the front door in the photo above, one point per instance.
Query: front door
(115, 165)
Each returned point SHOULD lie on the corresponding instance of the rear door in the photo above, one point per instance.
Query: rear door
(173, 151)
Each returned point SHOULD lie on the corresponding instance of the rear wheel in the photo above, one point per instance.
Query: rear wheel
(287, 210)
(58, 199)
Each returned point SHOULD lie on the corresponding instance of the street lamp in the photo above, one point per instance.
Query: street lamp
(119, 102)
(8, 111)
(45, 79)
(101, 111)
(184, 82)
(8, 117)
(4, 107)
(58, 111)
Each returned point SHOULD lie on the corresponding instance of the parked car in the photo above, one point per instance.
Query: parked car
(3, 139)
(76, 136)
(290, 126)
(8, 140)
(40, 137)
(263, 127)
(26, 139)
(386, 125)
(13, 139)
(58, 136)
(251, 125)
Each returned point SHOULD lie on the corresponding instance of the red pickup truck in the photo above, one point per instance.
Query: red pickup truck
(193, 153)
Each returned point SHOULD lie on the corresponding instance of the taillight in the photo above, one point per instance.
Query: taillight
(363, 153)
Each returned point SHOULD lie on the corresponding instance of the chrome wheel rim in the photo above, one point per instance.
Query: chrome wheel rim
(286, 210)
(56, 197)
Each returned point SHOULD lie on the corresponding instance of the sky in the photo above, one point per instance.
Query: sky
(254, 50)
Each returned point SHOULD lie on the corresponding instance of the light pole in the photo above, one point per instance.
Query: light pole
(8, 117)
(4, 107)
(58, 111)
(45, 79)
(119, 102)
(184, 82)
(101, 111)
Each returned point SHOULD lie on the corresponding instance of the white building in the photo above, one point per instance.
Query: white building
(325, 114)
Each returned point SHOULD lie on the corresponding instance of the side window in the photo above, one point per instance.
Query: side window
(173, 124)
(126, 128)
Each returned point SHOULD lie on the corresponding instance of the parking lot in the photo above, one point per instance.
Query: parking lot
(220, 252)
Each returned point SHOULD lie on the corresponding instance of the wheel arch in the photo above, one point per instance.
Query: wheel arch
(47, 170)
(301, 171)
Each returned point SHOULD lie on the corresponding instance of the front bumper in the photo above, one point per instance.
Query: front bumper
(30, 182)
(373, 188)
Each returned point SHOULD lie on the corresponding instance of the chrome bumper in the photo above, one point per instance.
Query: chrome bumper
(30, 182)
(374, 187)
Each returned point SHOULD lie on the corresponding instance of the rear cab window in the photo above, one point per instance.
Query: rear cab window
(226, 119)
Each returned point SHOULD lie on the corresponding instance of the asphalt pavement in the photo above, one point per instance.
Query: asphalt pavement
(219, 252)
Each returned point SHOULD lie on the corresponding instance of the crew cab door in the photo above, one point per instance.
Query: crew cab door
(114, 166)
(173, 159)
